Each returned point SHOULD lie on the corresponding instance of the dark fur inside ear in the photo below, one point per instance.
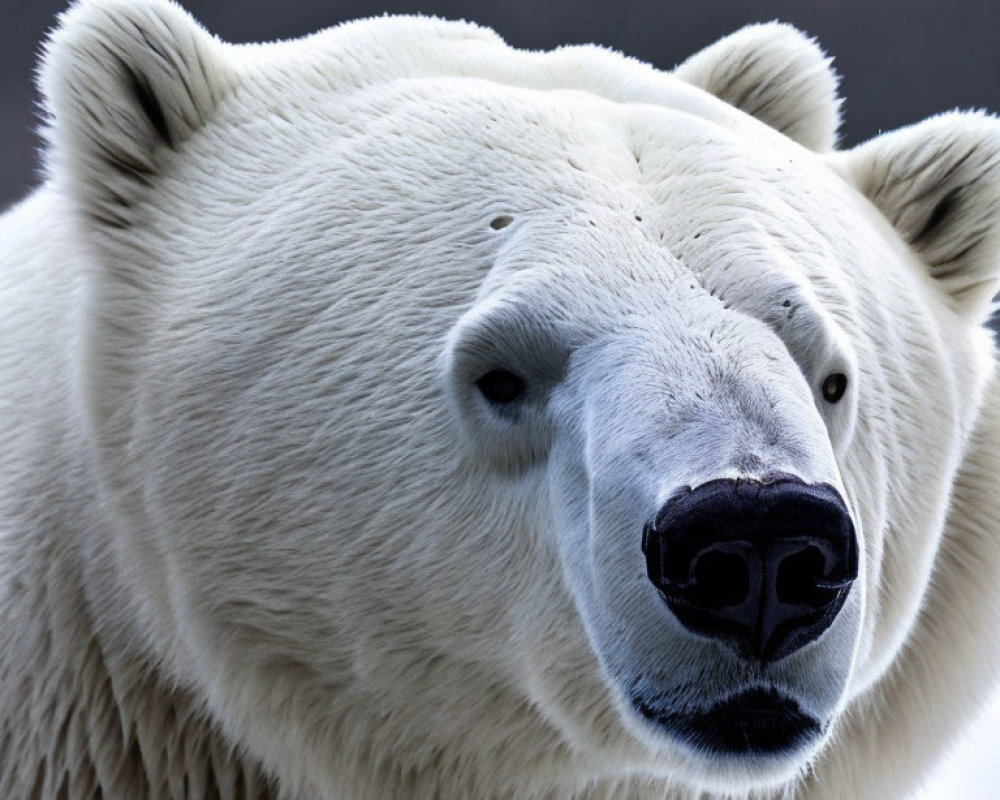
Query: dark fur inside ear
(123, 80)
(147, 100)
(938, 183)
(944, 209)
(776, 74)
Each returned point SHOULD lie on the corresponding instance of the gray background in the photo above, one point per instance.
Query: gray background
(900, 60)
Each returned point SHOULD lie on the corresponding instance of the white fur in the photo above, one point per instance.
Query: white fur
(775, 74)
(256, 520)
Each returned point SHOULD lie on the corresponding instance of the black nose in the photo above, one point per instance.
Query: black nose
(764, 565)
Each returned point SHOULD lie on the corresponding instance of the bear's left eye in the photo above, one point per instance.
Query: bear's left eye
(834, 387)
(501, 387)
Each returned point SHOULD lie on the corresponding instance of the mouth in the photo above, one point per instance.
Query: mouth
(753, 722)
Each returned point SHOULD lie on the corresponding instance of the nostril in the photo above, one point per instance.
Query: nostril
(720, 579)
(800, 579)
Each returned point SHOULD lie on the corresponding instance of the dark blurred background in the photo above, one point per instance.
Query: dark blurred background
(901, 60)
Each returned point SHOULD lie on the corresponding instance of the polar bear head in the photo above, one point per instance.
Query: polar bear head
(498, 421)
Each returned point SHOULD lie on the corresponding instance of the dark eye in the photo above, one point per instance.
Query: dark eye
(501, 387)
(834, 387)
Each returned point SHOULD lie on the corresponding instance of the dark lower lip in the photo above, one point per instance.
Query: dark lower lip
(753, 722)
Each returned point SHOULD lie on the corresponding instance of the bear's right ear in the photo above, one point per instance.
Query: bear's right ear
(124, 81)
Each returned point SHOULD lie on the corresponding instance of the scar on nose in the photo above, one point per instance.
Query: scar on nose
(748, 463)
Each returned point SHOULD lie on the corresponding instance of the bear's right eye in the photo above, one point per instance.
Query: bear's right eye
(501, 387)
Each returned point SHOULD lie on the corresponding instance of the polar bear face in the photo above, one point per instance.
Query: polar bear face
(447, 397)
(669, 376)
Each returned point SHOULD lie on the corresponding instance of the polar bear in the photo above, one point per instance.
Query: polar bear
(391, 413)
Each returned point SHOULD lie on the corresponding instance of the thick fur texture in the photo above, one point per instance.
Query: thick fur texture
(263, 536)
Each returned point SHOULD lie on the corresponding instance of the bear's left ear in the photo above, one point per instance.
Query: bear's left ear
(124, 81)
(938, 183)
(775, 73)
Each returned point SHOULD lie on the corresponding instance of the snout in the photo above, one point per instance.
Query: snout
(763, 565)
